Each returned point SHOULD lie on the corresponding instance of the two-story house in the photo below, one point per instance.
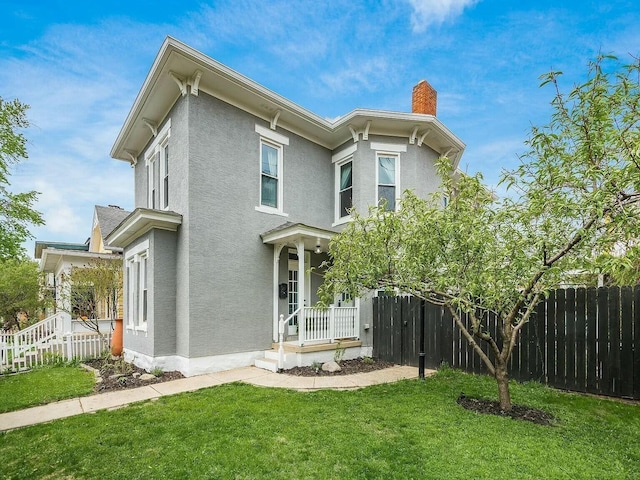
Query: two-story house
(237, 193)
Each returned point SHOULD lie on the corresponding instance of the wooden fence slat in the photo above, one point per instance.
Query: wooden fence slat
(561, 341)
(570, 339)
(592, 340)
(550, 348)
(581, 356)
(613, 359)
(636, 342)
(603, 341)
(626, 343)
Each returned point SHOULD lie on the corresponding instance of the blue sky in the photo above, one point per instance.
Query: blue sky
(79, 65)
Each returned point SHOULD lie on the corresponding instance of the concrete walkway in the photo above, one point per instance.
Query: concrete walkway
(252, 375)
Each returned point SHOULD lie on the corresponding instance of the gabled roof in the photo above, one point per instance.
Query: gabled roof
(181, 70)
(109, 218)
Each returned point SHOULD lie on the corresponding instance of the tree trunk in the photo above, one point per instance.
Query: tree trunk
(502, 378)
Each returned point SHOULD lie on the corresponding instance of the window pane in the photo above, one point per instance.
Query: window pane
(165, 181)
(269, 160)
(388, 193)
(345, 176)
(386, 171)
(269, 192)
(345, 202)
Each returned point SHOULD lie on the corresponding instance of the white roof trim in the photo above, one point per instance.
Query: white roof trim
(140, 222)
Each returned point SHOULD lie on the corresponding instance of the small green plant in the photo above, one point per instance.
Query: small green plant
(339, 354)
(157, 372)
(368, 361)
(120, 366)
(316, 366)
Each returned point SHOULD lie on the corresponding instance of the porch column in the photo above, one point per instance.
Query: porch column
(277, 250)
(301, 289)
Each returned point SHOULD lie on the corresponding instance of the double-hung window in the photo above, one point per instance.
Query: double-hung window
(157, 160)
(388, 173)
(271, 171)
(137, 282)
(344, 181)
(387, 178)
(270, 181)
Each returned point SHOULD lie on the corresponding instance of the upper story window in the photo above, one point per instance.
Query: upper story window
(271, 171)
(344, 177)
(388, 173)
(387, 180)
(157, 161)
(270, 184)
(344, 188)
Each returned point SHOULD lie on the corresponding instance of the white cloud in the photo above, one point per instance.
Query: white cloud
(436, 12)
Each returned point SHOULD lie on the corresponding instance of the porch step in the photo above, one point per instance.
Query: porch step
(267, 364)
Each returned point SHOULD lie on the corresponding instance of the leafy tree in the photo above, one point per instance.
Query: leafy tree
(95, 290)
(16, 209)
(20, 292)
(572, 200)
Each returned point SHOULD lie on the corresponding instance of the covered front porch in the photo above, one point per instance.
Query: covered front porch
(298, 253)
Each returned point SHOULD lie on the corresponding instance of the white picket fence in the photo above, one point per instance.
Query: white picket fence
(45, 343)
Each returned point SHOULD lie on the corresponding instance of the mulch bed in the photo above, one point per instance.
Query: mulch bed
(349, 367)
(518, 412)
(120, 375)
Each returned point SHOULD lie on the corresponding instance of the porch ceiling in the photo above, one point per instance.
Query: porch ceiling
(291, 233)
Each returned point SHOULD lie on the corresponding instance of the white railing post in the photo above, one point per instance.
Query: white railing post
(356, 321)
(332, 322)
(302, 326)
(68, 340)
(281, 325)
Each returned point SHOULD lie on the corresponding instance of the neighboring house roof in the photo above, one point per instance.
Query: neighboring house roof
(51, 258)
(41, 245)
(179, 69)
(108, 218)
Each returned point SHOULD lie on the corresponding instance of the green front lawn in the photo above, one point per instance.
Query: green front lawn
(411, 429)
(43, 385)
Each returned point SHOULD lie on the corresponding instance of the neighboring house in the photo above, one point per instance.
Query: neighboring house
(237, 194)
(58, 258)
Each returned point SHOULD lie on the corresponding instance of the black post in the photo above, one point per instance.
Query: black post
(421, 356)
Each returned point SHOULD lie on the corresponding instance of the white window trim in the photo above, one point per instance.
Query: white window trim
(277, 141)
(396, 155)
(134, 319)
(338, 219)
(157, 147)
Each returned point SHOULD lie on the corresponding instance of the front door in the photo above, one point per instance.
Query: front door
(293, 289)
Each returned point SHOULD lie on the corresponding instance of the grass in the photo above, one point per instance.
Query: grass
(411, 429)
(43, 385)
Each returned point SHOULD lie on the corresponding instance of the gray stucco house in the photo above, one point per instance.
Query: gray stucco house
(237, 193)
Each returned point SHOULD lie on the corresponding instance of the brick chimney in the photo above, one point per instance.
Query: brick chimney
(424, 99)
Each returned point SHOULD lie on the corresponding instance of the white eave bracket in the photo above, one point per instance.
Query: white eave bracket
(274, 120)
(153, 126)
(365, 133)
(181, 82)
(414, 134)
(133, 157)
(421, 139)
(354, 134)
(195, 82)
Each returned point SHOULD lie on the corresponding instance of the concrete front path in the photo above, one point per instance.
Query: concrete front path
(251, 375)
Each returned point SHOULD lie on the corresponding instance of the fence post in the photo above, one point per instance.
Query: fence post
(422, 354)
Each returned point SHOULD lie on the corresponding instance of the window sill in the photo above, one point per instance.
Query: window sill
(271, 211)
(342, 221)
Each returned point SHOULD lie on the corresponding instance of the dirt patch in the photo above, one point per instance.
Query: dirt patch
(349, 367)
(120, 375)
(518, 412)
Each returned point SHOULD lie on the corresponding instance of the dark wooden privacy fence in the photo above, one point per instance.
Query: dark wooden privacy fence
(585, 340)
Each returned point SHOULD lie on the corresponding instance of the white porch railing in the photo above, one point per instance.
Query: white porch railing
(325, 325)
(44, 342)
